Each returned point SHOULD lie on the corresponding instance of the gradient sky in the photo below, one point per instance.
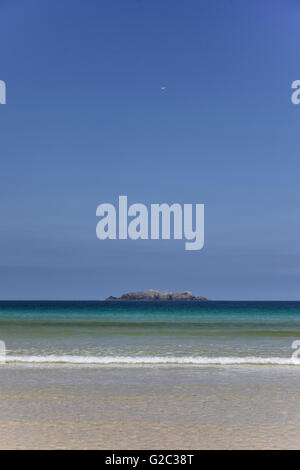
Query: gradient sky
(86, 121)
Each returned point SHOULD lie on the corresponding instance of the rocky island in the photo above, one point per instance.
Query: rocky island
(157, 295)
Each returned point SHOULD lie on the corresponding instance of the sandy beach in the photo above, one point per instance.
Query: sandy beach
(92, 407)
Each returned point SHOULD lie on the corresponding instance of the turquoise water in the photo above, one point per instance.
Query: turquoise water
(150, 332)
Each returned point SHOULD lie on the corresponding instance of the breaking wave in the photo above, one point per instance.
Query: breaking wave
(189, 360)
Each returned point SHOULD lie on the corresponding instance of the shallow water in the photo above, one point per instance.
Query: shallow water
(158, 407)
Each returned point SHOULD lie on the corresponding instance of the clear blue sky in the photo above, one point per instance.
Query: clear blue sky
(86, 120)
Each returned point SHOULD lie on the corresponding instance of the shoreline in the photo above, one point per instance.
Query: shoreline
(54, 365)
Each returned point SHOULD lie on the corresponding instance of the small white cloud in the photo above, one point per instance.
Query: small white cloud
(163, 88)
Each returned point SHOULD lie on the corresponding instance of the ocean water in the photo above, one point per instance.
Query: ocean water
(154, 333)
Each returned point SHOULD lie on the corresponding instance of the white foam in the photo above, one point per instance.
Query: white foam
(192, 360)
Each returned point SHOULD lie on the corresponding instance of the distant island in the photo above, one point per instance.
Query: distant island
(157, 295)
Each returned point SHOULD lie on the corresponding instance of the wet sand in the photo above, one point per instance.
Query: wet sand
(92, 407)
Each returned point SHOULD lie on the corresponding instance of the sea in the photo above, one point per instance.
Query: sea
(151, 333)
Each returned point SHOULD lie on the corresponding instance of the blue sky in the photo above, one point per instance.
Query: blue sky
(86, 121)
